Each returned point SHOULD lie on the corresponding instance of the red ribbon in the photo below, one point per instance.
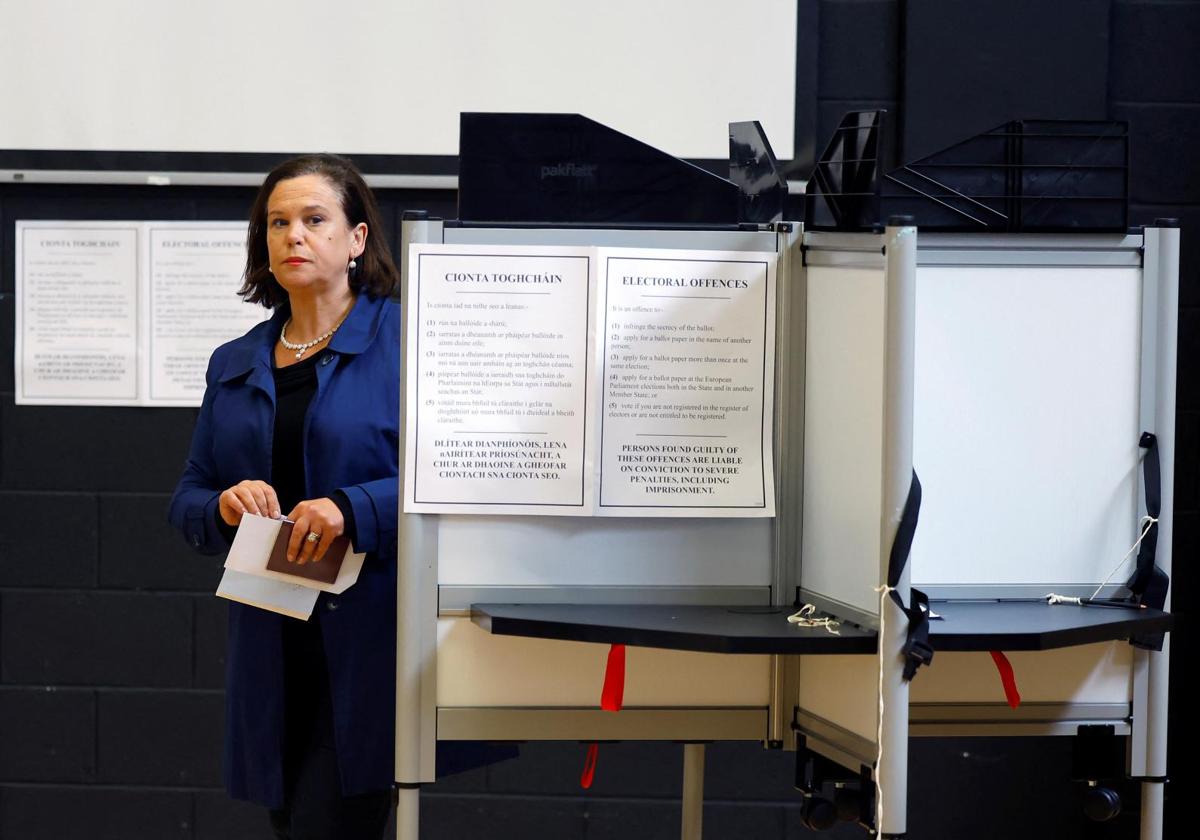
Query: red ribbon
(1007, 678)
(612, 695)
(589, 766)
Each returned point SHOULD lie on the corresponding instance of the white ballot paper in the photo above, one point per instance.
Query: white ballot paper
(590, 381)
(248, 580)
(125, 313)
(292, 600)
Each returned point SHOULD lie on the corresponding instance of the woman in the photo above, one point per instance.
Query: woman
(301, 418)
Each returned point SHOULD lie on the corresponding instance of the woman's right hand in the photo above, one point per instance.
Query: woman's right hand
(250, 496)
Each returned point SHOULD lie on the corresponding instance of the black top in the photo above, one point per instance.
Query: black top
(295, 386)
(308, 715)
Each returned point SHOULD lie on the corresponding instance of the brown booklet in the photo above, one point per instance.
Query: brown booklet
(325, 571)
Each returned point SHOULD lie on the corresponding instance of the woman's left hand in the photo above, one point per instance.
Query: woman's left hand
(313, 516)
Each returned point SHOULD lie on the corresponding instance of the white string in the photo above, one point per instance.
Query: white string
(883, 591)
(804, 617)
(1145, 524)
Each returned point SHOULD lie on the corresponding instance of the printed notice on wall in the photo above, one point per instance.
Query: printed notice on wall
(77, 314)
(499, 374)
(194, 273)
(125, 313)
(589, 381)
(688, 370)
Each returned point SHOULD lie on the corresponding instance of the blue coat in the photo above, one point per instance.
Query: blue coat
(351, 443)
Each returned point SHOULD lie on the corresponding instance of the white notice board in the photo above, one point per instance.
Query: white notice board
(590, 381)
(123, 78)
(843, 434)
(125, 313)
(1026, 424)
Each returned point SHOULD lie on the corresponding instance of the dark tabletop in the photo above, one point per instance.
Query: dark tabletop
(1029, 625)
(716, 629)
(964, 626)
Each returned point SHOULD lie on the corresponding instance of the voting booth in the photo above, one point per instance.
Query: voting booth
(981, 418)
(1028, 404)
(457, 680)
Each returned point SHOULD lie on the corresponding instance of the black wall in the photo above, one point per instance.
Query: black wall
(111, 644)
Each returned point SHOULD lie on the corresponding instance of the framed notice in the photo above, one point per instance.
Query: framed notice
(500, 354)
(590, 381)
(125, 313)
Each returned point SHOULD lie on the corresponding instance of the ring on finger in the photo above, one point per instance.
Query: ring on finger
(313, 537)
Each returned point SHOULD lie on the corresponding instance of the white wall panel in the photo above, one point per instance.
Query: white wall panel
(387, 77)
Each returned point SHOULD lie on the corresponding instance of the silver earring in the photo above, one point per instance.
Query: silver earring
(353, 265)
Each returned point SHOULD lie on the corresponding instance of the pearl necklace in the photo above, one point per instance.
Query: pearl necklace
(301, 349)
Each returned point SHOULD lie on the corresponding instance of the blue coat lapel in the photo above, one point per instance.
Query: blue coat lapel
(252, 358)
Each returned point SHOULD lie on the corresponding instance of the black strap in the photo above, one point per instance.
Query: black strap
(917, 649)
(1152, 479)
(905, 532)
(1149, 583)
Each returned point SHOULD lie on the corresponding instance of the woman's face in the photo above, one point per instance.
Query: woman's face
(309, 240)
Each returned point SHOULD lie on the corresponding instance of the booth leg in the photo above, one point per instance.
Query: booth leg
(1162, 263)
(693, 791)
(891, 769)
(1156, 743)
(1152, 811)
(408, 810)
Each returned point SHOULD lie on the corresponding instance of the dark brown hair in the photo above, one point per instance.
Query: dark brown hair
(375, 272)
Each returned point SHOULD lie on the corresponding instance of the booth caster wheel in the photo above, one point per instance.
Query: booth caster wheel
(1101, 804)
(818, 814)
